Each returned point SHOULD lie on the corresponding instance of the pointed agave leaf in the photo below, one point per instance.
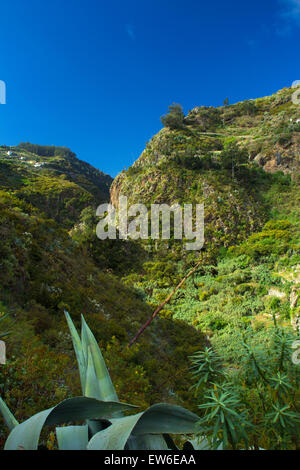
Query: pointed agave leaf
(106, 388)
(91, 382)
(95, 379)
(79, 408)
(26, 435)
(78, 351)
(9, 418)
(84, 341)
(158, 419)
(164, 418)
(72, 437)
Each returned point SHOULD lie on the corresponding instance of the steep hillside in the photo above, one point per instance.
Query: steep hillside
(268, 128)
(53, 180)
(216, 156)
(242, 161)
(46, 268)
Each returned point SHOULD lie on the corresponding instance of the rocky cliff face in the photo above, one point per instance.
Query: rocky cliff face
(268, 128)
(187, 164)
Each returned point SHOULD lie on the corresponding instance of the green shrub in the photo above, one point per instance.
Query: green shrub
(252, 403)
(175, 118)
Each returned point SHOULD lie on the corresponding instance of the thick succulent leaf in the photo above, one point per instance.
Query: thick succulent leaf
(91, 382)
(80, 408)
(116, 435)
(107, 390)
(164, 418)
(84, 341)
(82, 346)
(72, 437)
(78, 351)
(9, 418)
(26, 435)
(158, 419)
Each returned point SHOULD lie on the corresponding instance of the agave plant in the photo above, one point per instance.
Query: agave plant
(105, 426)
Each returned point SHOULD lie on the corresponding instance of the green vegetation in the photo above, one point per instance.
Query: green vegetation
(174, 119)
(52, 180)
(97, 405)
(256, 401)
(236, 315)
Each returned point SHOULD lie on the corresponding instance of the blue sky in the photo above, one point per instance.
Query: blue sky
(97, 75)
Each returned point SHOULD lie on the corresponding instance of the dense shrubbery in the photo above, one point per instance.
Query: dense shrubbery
(205, 118)
(275, 239)
(253, 403)
(204, 162)
(232, 158)
(47, 150)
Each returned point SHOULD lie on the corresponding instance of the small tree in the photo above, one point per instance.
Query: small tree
(232, 158)
(175, 118)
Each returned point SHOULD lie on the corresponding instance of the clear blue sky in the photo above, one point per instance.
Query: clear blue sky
(97, 75)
